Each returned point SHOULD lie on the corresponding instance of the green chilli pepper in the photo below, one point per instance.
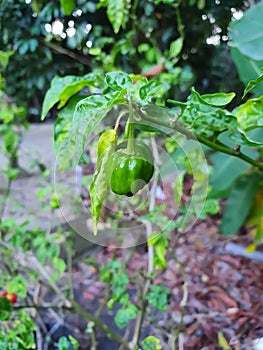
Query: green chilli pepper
(129, 172)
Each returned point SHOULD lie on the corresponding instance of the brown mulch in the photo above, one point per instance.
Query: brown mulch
(224, 292)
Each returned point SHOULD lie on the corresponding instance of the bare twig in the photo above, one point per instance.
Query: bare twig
(63, 51)
(182, 302)
(69, 267)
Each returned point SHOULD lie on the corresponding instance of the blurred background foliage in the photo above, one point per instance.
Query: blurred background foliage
(75, 37)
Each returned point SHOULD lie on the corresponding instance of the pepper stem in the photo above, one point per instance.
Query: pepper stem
(130, 130)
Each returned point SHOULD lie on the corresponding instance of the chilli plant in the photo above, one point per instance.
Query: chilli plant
(141, 138)
(128, 103)
(138, 143)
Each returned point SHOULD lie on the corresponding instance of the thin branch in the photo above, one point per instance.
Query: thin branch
(5, 199)
(149, 230)
(88, 317)
(76, 308)
(61, 50)
(180, 26)
(68, 304)
(217, 147)
(69, 268)
(182, 302)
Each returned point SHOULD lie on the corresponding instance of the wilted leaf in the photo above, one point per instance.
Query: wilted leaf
(99, 188)
(252, 84)
(107, 139)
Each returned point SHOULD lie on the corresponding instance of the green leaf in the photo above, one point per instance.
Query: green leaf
(222, 342)
(241, 138)
(219, 99)
(118, 80)
(37, 5)
(115, 13)
(52, 95)
(250, 114)
(179, 187)
(63, 123)
(62, 88)
(252, 84)
(246, 33)
(225, 172)
(90, 105)
(4, 57)
(201, 4)
(151, 343)
(75, 85)
(59, 264)
(74, 343)
(239, 203)
(6, 308)
(151, 88)
(158, 297)
(123, 316)
(175, 48)
(119, 283)
(17, 285)
(160, 242)
(63, 343)
(68, 6)
(255, 217)
(73, 145)
(211, 207)
(208, 123)
(248, 69)
(88, 114)
(204, 115)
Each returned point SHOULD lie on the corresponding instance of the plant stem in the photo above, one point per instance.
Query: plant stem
(149, 230)
(130, 129)
(182, 302)
(180, 26)
(88, 317)
(76, 308)
(5, 199)
(61, 50)
(217, 147)
(68, 247)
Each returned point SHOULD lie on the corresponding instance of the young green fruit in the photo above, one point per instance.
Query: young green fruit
(129, 172)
